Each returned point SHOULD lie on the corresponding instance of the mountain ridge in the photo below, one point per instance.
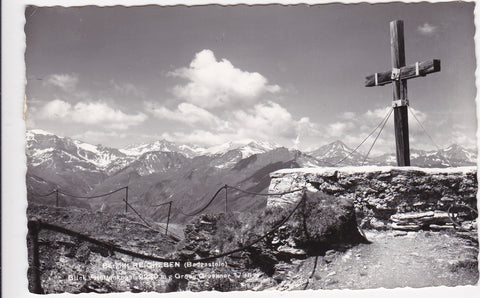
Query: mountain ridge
(156, 176)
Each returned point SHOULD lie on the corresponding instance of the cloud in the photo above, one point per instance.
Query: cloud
(353, 128)
(98, 137)
(127, 89)
(198, 136)
(339, 128)
(213, 83)
(348, 115)
(306, 127)
(55, 109)
(459, 136)
(427, 29)
(90, 113)
(421, 116)
(265, 119)
(66, 82)
(187, 113)
(373, 115)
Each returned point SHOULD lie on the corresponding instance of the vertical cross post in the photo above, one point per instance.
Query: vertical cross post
(398, 76)
(399, 93)
(56, 202)
(168, 216)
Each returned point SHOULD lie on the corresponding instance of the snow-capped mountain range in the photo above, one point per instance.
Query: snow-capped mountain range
(164, 146)
(247, 148)
(164, 169)
(43, 148)
(41, 145)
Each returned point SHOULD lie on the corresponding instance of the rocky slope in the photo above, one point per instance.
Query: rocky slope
(391, 259)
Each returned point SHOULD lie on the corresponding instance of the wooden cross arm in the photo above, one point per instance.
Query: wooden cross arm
(406, 72)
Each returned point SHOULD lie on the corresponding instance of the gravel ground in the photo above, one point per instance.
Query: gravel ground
(400, 259)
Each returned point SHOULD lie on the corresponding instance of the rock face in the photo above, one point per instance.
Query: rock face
(320, 223)
(380, 192)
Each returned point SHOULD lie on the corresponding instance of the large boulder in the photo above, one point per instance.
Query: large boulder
(321, 222)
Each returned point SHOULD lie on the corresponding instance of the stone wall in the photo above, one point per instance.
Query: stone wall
(379, 192)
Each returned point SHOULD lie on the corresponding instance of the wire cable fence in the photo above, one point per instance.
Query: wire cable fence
(226, 187)
(44, 195)
(170, 203)
(59, 192)
(206, 206)
(92, 197)
(35, 226)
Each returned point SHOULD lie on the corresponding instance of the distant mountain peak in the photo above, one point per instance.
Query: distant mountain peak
(340, 145)
(158, 145)
(455, 147)
(39, 132)
(246, 147)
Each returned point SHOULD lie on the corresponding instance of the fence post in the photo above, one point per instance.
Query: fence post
(168, 216)
(226, 199)
(126, 199)
(33, 230)
(56, 202)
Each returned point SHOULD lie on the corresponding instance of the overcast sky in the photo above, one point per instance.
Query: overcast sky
(206, 75)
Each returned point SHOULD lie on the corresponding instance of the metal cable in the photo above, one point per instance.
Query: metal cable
(46, 195)
(281, 223)
(454, 221)
(110, 246)
(430, 137)
(354, 150)
(131, 207)
(206, 206)
(113, 247)
(162, 204)
(92, 197)
(374, 141)
(313, 273)
(263, 194)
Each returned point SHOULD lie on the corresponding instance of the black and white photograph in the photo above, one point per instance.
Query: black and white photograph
(228, 148)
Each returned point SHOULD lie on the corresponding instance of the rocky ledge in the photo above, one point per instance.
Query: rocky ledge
(378, 193)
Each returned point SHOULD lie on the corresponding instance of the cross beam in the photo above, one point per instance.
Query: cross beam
(419, 69)
(398, 76)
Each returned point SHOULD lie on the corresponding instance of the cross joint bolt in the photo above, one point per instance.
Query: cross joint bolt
(395, 74)
(400, 103)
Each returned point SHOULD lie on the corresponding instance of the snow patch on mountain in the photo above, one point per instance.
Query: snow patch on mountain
(32, 132)
(44, 147)
(247, 148)
(87, 147)
(137, 150)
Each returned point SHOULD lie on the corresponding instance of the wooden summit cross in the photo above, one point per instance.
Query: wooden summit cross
(398, 76)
